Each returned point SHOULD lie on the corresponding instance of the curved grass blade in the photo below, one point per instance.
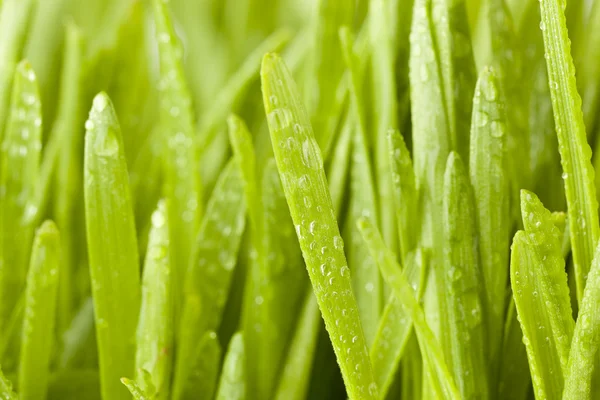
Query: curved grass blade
(574, 150)
(15, 17)
(206, 359)
(463, 281)
(20, 156)
(404, 292)
(6, 389)
(295, 377)
(182, 178)
(546, 244)
(544, 360)
(155, 327)
(586, 339)
(366, 281)
(40, 311)
(232, 384)
(489, 179)
(112, 247)
(301, 169)
(384, 108)
(209, 277)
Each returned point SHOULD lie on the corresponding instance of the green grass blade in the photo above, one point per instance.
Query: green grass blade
(366, 281)
(405, 192)
(337, 172)
(295, 377)
(574, 150)
(544, 360)
(404, 292)
(182, 178)
(489, 178)
(15, 17)
(453, 45)
(381, 29)
(20, 156)
(40, 311)
(209, 277)
(301, 169)
(584, 348)
(78, 341)
(202, 380)
(464, 283)
(545, 240)
(136, 391)
(6, 389)
(155, 327)
(112, 247)
(232, 384)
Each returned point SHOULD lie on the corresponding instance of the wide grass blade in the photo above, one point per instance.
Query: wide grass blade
(301, 169)
(586, 339)
(574, 150)
(489, 179)
(432, 352)
(464, 283)
(19, 171)
(206, 363)
(155, 328)
(232, 384)
(40, 311)
(209, 277)
(112, 247)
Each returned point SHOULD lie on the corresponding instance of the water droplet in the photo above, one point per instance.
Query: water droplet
(565, 175)
(338, 242)
(89, 125)
(259, 300)
(354, 339)
(344, 270)
(323, 269)
(369, 287)
(542, 26)
(311, 155)
(312, 227)
(274, 101)
(280, 118)
(482, 119)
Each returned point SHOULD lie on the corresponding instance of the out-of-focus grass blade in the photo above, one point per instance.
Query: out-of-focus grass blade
(209, 277)
(15, 16)
(78, 342)
(232, 384)
(40, 311)
(206, 362)
(546, 240)
(543, 356)
(464, 283)
(395, 327)
(69, 384)
(404, 292)
(136, 391)
(366, 281)
(68, 129)
(20, 157)
(385, 108)
(112, 247)
(327, 67)
(489, 180)
(453, 42)
(301, 169)
(294, 379)
(405, 192)
(6, 389)
(337, 173)
(574, 150)
(182, 178)
(586, 339)
(155, 327)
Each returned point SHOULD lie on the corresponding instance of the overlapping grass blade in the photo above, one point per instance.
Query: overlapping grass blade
(205, 367)
(112, 247)
(15, 17)
(136, 391)
(337, 172)
(489, 179)
(574, 150)
(40, 312)
(6, 389)
(464, 283)
(232, 384)
(301, 169)
(443, 383)
(294, 379)
(544, 360)
(586, 339)
(366, 281)
(19, 171)
(182, 180)
(209, 277)
(155, 328)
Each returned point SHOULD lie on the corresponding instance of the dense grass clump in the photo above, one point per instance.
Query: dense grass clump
(289, 199)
